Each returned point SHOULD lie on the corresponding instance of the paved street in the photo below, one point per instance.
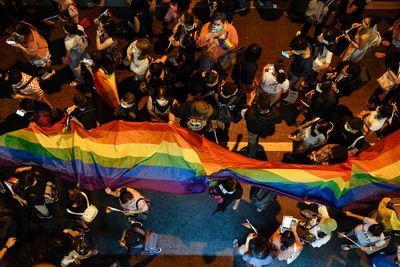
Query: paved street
(189, 234)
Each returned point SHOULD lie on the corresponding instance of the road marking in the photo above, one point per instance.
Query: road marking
(268, 146)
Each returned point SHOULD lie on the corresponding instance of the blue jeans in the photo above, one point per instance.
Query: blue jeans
(75, 64)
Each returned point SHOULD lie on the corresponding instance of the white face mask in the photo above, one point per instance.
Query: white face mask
(162, 102)
(224, 191)
(126, 105)
(318, 88)
(347, 128)
(324, 41)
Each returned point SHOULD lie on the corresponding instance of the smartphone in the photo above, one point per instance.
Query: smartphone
(285, 54)
(10, 42)
(20, 112)
(87, 61)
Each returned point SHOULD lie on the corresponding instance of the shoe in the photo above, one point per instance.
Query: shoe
(235, 243)
(380, 55)
(259, 209)
(47, 75)
(75, 83)
(345, 247)
(155, 251)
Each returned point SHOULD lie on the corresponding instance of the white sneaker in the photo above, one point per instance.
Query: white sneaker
(47, 75)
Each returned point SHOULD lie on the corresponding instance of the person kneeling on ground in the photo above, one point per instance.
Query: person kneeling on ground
(286, 243)
(137, 240)
(369, 235)
(255, 251)
(133, 203)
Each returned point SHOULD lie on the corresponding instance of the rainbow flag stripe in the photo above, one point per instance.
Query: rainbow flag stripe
(167, 158)
(225, 44)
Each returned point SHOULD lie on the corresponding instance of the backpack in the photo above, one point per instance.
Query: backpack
(214, 195)
(317, 11)
(261, 197)
(150, 239)
(225, 110)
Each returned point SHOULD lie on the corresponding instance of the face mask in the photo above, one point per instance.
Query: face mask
(162, 102)
(216, 28)
(318, 88)
(125, 105)
(324, 41)
(347, 128)
(223, 190)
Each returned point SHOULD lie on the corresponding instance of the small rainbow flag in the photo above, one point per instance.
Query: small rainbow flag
(51, 20)
(247, 224)
(106, 13)
(13, 180)
(225, 44)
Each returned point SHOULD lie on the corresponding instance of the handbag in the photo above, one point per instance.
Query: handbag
(387, 81)
(90, 212)
(229, 59)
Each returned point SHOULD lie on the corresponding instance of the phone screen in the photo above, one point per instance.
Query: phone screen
(285, 54)
(20, 113)
(10, 42)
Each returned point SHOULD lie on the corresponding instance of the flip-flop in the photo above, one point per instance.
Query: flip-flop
(345, 247)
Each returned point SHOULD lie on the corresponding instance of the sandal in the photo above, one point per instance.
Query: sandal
(345, 247)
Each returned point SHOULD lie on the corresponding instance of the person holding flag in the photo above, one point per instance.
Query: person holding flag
(217, 38)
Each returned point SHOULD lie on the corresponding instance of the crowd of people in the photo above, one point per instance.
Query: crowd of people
(206, 82)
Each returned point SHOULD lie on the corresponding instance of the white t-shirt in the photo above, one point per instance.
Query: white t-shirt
(74, 42)
(271, 86)
(363, 236)
(373, 123)
(138, 66)
(320, 241)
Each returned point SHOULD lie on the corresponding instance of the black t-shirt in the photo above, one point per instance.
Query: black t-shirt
(245, 71)
(300, 66)
(228, 198)
(192, 122)
(343, 137)
(262, 124)
(123, 113)
(87, 117)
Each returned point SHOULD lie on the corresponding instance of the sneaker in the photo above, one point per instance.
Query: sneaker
(235, 243)
(75, 83)
(155, 251)
(47, 75)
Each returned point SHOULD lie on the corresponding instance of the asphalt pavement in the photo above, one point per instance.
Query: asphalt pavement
(189, 234)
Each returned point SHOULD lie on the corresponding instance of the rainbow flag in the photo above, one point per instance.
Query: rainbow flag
(52, 20)
(168, 158)
(225, 44)
(106, 13)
